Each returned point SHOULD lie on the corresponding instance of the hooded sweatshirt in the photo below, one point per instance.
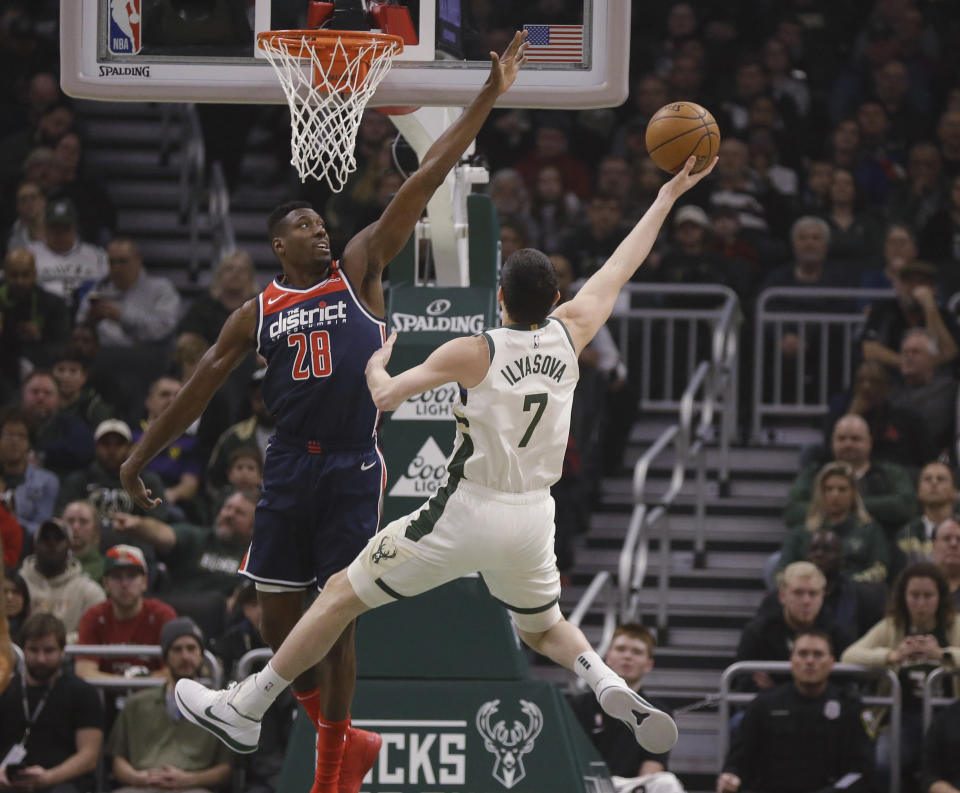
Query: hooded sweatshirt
(66, 595)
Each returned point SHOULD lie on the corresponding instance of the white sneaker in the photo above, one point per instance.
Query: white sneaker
(654, 730)
(214, 711)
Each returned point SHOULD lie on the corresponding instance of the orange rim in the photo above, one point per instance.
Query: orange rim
(301, 43)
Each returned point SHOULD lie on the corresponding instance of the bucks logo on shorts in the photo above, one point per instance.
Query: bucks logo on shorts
(387, 549)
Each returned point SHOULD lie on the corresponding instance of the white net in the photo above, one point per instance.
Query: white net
(327, 87)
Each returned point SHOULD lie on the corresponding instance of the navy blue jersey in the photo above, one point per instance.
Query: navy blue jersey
(317, 342)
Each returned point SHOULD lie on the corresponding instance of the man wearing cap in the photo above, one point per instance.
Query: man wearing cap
(32, 320)
(915, 306)
(64, 263)
(99, 482)
(153, 747)
(128, 306)
(56, 581)
(690, 260)
(126, 617)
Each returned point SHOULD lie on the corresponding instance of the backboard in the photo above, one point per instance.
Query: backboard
(203, 51)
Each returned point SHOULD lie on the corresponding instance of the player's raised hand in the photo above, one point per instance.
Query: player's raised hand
(684, 179)
(504, 68)
(381, 357)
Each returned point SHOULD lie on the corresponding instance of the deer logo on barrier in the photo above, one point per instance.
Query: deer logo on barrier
(509, 745)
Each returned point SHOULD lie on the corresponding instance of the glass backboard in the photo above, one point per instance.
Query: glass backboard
(203, 51)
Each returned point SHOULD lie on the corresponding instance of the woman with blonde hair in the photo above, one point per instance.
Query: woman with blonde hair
(920, 632)
(836, 505)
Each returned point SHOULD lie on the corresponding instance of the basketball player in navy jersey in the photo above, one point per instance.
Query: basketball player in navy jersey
(317, 325)
(493, 513)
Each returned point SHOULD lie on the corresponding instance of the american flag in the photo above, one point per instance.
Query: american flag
(555, 43)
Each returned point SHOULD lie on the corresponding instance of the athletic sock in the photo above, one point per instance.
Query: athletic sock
(330, 744)
(253, 700)
(590, 668)
(310, 702)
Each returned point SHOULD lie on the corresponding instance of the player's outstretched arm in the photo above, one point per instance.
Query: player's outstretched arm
(235, 341)
(591, 307)
(379, 242)
(464, 361)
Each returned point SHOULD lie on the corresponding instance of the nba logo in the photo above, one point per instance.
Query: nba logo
(124, 27)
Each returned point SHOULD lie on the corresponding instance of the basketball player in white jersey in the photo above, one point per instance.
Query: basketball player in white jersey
(494, 512)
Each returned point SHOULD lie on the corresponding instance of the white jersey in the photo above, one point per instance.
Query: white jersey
(512, 427)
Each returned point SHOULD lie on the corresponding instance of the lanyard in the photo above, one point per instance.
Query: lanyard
(31, 720)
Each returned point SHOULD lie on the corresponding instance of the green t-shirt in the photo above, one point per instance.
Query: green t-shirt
(201, 562)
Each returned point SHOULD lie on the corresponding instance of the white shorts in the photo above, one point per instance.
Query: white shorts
(506, 537)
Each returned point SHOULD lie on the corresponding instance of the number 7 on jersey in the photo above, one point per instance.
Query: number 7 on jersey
(540, 400)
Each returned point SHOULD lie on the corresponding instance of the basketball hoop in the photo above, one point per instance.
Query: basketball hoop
(327, 101)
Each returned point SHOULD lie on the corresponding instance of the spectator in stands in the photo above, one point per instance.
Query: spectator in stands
(30, 225)
(153, 747)
(200, 560)
(837, 505)
(17, 604)
(96, 217)
(234, 283)
(71, 370)
(83, 520)
(920, 632)
(62, 441)
(926, 391)
(940, 766)
(554, 208)
(937, 493)
(899, 247)
(853, 231)
(514, 235)
(64, 262)
(630, 656)
(915, 306)
(886, 488)
(254, 431)
(940, 233)
(690, 258)
(243, 635)
(736, 186)
(588, 245)
(948, 135)
(56, 580)
(176, 465)
(615, 177)
(99, 482)
(128, 306)
(810, 241)
(28, 490)
(510, 196)
(125, 617)
(898, 433)
(550, 147)
(854, 604)
(916, 199)
(803, 736)
(34, 321)
(66, 732)
(244, 472)
(797, 607)
(945, 554)
(784, 80)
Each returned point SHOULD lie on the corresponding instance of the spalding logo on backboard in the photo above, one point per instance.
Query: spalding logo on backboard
(124, 27)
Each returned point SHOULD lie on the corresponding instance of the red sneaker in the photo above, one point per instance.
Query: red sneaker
(359, 755)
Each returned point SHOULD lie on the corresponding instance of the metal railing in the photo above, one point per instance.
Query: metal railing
(932, 700)
(711, 387)
(814, 328)
(249, 658)
(726, 696)
(148, 650)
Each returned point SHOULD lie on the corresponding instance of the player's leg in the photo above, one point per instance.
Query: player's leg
(279, 613)
(566, 645)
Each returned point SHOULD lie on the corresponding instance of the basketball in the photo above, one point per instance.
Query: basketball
(679, 130)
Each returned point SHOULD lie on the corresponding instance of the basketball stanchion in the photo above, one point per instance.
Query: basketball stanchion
(328, 76)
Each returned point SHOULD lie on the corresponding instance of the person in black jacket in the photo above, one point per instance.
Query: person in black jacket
(804, 736)
(771, 634)
(941, 760)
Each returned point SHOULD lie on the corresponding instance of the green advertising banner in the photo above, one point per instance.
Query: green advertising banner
(444, 736)
(418, 436)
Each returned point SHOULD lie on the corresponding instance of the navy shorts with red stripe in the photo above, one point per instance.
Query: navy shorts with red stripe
(317, 511)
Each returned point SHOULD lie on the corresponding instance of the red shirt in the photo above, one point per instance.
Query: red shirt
(11, 537)
(98, 625)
